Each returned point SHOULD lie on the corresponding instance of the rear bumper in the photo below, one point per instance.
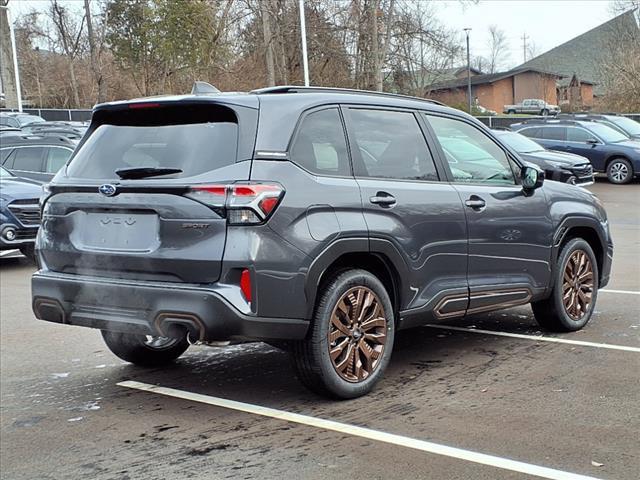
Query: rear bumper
(152, 309)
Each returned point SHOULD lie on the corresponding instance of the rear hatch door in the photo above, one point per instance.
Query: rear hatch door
(101, 223)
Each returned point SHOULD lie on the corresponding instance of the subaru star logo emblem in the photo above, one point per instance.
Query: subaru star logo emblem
(107, 190)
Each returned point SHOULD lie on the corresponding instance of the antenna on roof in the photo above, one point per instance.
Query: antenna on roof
(203, 88)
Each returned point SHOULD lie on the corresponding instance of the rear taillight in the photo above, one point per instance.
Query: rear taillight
(245, 203)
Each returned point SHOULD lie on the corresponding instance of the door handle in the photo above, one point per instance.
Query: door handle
(383, 199)
(475, 202)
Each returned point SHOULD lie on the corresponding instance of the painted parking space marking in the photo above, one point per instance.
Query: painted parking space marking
(363, 432)
(537, 338)
(626, 292)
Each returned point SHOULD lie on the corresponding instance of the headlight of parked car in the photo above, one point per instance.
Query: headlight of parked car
(558, 164)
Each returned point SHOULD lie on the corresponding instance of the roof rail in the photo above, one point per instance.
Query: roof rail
(543, 121)
(300, 89)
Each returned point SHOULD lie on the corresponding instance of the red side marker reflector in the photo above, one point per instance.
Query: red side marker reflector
(245, 284)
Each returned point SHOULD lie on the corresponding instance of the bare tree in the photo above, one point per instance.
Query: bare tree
(96, 43)
(498, 49)
(68, 36)
(265, 10)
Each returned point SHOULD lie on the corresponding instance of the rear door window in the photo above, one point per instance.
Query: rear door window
(554, 133)
(533, 132)
(320, 145)
(390, 145)
(195, 139)
(56, 158)
(28, 159)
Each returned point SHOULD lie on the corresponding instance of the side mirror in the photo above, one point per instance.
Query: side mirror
(532, 178)
(592, 141)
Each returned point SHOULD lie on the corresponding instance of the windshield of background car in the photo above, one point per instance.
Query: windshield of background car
(195, 139)
(520, 143)
(607, 134)
(629, 126)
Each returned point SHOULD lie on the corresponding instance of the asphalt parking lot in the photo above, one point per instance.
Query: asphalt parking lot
(560, 408)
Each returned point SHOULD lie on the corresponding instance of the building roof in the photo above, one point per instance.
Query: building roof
(487, 78)
(585, 54)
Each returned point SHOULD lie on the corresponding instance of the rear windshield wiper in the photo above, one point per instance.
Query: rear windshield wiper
(134, 173)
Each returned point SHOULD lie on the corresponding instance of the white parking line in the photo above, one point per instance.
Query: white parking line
(422, 445)
(627, 292)
(537, 338)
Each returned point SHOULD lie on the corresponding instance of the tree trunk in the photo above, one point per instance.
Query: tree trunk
(268, 42)
(96, 68)
(384, 49)
(6, 60)
(74, 85)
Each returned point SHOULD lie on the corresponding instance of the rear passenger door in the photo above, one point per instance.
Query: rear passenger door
(28, 162)
(409, 209)
(510, 232)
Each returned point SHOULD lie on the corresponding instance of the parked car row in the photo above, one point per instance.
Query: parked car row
(32, 151)
(609, 150)
(16, 123)
(19, 212)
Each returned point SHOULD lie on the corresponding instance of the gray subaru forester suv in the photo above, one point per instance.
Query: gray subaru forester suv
(318, 220)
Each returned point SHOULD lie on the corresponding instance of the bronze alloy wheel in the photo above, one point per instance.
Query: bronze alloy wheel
(577, 285)
(357, 334)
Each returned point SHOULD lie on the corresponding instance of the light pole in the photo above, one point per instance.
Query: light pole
(15, 57)
(303, 34)
(466, 31)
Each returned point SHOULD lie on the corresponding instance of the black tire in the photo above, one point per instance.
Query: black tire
(311, 357)
(511, 112)
(544, 112)
(29, 252)
(551, 313)
(137, 350)
(619, 171)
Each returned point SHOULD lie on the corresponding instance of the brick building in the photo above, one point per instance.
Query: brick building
(496, 90)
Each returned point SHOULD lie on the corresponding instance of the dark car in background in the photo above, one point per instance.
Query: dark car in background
(38, 157)
(559, 166)
(623, 124)
(608, 150)
(72, 130)
(19, 119)
(318, 220)
(19, 212)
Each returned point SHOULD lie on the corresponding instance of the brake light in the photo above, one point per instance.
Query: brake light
(245, 203)
(245, 284)
(143, 105)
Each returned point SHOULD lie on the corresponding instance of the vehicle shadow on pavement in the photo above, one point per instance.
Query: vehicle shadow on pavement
(259, 373)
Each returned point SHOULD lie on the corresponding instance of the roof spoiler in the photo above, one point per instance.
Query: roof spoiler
(203, 88)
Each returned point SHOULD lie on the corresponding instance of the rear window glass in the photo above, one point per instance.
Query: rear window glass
(195, 139)
(554, 133)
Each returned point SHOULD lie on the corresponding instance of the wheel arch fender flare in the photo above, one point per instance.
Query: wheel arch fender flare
(341, 247)
(580, 222)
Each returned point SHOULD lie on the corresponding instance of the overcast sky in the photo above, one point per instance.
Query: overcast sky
(547, 23)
